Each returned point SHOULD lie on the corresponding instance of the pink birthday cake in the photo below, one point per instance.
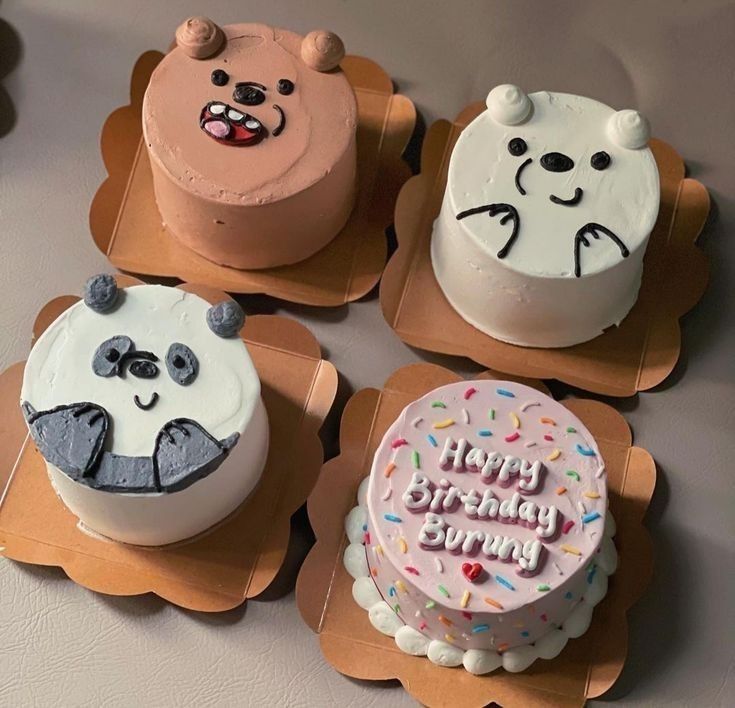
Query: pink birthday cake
(483, 536)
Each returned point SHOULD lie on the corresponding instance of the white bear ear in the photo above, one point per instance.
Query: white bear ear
(322, 50)
(198, 37)
(628, 129)
(508, 105)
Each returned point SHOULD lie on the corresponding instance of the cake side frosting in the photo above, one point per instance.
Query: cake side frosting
(145, 400)
(549, 203)
(486, 510)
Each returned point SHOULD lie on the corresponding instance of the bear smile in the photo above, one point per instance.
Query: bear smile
(146, 406)
(228, 125)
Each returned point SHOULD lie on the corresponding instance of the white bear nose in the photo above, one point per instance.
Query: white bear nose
(556, 162)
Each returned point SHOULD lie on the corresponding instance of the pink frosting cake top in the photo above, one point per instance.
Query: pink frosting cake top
(490, 489)
(249, 122)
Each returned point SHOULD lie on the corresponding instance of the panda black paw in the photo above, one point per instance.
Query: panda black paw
(184, 453)
(70, 437)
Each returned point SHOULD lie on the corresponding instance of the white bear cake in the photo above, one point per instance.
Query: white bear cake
(146, 406)
(549, 204)
(482, 538)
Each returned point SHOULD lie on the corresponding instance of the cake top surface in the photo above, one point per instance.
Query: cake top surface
(569, 176)
(530, 488)
(152, 358)
(251, 122)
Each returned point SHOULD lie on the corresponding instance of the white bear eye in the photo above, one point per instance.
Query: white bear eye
(517, 146)
(600, 160)
(217, 108)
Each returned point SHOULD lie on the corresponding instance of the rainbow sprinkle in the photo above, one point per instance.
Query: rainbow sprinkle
(586, 451)
(399, 442)
(524, 633)
(392, 591)
(512, 437)
(570, 429)
(547, 421)
(484, 433)
(415, 422)
(430, 605)
(403, 545)
(568, 596)
(374, 572)
(548, 437)
(465, 416)
(573, 474)
(449, 638)
(530, 443)
(396, 608)
(480, 628)
(555, 455)
(491, 414)
(515, 420)
(467, 615)
(445, 621)
(561, 490)
(443, 424)
(591, 495)
(505, 392)
(570, 549)
(412, 570)
(505, 582)
(493, 603)
(529, 404)
(502, 647)
(394, 519)
(471, 391)
(439, 565)
(465, 598)
(416, 460)
(400, 585)
(443, 590)
(379, 550)
(567, 527)
(438, 404)
(423, 625)
(592, 516)
(432, 440)
(389, 469)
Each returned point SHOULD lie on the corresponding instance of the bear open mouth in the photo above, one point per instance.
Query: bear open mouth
(228, 125)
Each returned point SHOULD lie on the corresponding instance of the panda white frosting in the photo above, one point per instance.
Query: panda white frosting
(546, 192)
(143, 397)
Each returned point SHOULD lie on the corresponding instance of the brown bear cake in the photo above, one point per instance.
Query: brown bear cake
(250, 131)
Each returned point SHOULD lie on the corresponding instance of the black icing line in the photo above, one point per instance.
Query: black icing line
(576, 199)
(517, 180)
(592, 228)
(281, 121)
(146, 406)
(509, 212)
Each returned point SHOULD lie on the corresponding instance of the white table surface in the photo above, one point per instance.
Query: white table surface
(66, 66)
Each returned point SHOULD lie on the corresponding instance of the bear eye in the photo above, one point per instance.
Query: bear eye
(249, 93)
(600, 160)
(220, 77)
(109, 356)
(517, 146)
(182, 364)
(285, 87)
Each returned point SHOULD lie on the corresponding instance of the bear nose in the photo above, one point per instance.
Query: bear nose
(556, 162)
(144, 369)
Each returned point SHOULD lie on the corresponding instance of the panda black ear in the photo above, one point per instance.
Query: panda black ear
(101, 293)
(226, 318)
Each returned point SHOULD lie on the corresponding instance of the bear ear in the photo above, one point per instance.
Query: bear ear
(508, 105)
(322, 50)
(226, 318)
(628, 129)
(101, 293)
(198, 37)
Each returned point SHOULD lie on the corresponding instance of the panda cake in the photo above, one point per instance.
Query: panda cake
(250, 131)
(146, 407)
(549, 204)
(482, 537)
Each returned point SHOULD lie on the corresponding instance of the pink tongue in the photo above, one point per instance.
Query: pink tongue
(217, 128)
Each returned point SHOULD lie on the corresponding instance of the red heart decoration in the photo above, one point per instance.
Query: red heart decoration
(472, 571)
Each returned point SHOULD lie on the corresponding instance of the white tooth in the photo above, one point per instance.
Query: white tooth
(252, 124)
(234, 115)
(217, 108)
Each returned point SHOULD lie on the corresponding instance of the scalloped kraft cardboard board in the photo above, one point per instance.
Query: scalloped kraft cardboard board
(126, 225)
(221, 568)
(586, 668)
(635, 356)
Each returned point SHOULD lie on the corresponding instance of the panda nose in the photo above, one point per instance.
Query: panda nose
(556, 162)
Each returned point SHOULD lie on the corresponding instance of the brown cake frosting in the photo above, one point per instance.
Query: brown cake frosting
(251, 135)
